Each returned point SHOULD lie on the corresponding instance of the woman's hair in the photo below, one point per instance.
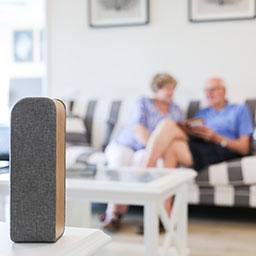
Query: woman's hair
(161, 80)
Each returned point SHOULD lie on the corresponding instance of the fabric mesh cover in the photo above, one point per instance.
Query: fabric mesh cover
(33, 170)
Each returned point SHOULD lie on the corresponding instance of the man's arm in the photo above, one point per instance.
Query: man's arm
(240, 145)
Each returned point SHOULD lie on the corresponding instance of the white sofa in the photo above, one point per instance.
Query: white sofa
(93, 123)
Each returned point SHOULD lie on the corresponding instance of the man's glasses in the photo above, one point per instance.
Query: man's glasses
(213, 89)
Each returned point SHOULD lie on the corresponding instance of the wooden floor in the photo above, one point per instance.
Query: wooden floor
(212, 232)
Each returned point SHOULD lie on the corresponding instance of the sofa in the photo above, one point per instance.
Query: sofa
(91, 124)
(4, 142)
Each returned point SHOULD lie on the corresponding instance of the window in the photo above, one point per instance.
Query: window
(23, 70)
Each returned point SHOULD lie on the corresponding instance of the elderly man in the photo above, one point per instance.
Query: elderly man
(221, 132)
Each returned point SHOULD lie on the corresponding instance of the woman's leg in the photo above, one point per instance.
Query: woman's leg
(117, 155)
(138, 158)
(169, 142)
(178, 153)
(161, 139)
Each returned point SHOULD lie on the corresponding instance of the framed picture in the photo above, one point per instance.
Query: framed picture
(111, 13)
(23, 46)
(221, 10)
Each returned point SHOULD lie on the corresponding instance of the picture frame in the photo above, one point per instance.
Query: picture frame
(221, 10)
(118, 13)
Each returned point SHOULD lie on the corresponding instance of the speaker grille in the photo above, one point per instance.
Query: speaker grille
(33, 175)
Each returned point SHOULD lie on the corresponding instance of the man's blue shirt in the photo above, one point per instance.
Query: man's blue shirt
(232, 121)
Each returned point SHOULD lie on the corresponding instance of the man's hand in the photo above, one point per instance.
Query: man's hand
(203, 132)
(240, 145)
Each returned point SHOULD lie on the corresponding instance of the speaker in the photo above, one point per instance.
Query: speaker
(37, 165)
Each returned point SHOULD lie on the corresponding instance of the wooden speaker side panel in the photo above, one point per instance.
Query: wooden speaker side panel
(60, 167)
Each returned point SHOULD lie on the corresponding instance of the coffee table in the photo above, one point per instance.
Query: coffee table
(148, 187)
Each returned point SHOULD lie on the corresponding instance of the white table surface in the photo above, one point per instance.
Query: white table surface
(74, 242)
(139, 192)
(112, 189)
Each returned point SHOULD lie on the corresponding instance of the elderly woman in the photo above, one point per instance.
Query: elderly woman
(126, 149)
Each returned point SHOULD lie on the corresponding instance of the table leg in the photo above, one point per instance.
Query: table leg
(151, 229)
(78, 213)
(182, 227)
(176, 224)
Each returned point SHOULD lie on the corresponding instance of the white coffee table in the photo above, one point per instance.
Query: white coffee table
(149, 188)
(146, 187)
(75, 241)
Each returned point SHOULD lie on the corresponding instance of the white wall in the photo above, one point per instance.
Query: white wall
(18, 15)
(119, 62)
(23, 15)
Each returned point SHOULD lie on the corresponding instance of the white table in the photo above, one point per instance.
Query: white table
(75, 241)
(151, 195)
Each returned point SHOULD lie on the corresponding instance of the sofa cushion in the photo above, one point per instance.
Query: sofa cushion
(102, 118)
(236, 173)
(75, 131)
(251, 103)
(193, 108)
(111, 122)
(239, 196)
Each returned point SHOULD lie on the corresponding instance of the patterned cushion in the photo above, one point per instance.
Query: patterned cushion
(235, 173)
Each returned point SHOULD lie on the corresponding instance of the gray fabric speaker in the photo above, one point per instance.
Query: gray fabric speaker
(37, 170)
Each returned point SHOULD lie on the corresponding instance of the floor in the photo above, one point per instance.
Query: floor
(212, 232)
